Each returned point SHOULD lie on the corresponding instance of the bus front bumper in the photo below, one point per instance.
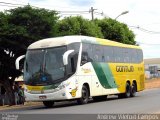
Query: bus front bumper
(59, 95)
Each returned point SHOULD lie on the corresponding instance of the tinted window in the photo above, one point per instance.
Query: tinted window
(73, 58)
(44, 66)
(108, 53)
(139, 55)
(98, 53)
(118, 54)
(126, 55)
(102, 53)
(133, 56)
(88, 50)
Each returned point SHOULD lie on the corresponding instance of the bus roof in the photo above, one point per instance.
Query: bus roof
(65, 40)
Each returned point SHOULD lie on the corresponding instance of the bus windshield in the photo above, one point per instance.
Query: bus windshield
(44, 66)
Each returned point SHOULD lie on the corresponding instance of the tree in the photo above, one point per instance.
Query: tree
(18, 29)
(116, 31)
(78, 26)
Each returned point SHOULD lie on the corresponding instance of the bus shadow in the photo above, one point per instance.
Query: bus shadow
(75, 104)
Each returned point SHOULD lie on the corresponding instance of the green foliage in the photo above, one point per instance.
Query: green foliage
(37, 23)
(116, 31)
(78, 26)
(105, 28)
(18, 29)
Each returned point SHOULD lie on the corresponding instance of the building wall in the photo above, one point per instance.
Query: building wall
(152, 70)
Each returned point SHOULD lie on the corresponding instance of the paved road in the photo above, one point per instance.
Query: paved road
(147, 101)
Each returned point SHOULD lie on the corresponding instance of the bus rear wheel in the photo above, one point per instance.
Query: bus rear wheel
(85, 96)
(48, 104)
(127, 93)
(133, 90)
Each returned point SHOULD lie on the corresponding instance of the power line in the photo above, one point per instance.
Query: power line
(99, 13)
(144, 30)
(11, 3)
(51, 6)
(8, 4)
(71, 14)
(73, 11)
(14, 4)
(147, 43)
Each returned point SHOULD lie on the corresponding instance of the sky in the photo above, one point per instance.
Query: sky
(143, 17)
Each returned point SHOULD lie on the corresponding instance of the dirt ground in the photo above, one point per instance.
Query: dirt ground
(152, 83)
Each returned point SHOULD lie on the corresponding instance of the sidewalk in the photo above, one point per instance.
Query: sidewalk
(27, 104)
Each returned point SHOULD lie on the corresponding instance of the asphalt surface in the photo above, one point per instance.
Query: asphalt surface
(147, 101)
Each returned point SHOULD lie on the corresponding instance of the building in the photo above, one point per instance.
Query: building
(152, 67)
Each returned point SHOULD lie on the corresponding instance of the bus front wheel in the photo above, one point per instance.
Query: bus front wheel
(48, 104)
(85, 96)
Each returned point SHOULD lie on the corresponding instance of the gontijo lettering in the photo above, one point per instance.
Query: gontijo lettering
(124, 68)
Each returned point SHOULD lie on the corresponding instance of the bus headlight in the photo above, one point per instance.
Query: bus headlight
(63, 85)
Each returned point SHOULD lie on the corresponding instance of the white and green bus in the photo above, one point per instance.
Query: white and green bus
(81, 67)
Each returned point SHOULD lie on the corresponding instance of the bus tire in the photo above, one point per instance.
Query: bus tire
(85, 96)
(48, 104)
(127, 94)
(133, 90)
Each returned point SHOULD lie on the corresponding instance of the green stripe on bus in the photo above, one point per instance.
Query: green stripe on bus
(104, 75)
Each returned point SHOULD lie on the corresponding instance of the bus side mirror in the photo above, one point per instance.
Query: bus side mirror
(65, 56)
(17, 61)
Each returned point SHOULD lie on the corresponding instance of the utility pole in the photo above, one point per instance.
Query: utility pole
(92, 12)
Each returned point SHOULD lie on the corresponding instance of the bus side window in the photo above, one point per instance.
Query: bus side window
(98, 53)
(73, 58)
(118, 54)
(108, 53)
(103, 58)
(139, 56)
(72, 65)
(73, 62)
(87, 54)
(84, 58)
(126, 55)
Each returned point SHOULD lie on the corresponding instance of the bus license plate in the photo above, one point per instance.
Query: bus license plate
(42, 97)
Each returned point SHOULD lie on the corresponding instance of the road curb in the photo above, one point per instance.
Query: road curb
(7, 107)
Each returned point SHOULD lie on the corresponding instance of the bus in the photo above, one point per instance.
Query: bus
(80, 68)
